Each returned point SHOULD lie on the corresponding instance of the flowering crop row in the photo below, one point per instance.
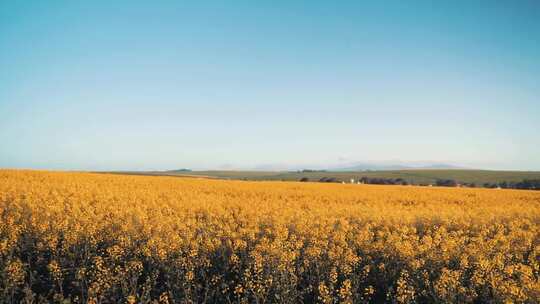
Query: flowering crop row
(96, 238)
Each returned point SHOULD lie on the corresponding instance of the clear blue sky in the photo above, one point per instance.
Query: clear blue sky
(171, 84)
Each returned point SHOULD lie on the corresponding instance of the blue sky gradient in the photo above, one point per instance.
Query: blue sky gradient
(246, 84)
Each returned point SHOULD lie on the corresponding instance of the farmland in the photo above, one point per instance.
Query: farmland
(104, 238)
(424, 176)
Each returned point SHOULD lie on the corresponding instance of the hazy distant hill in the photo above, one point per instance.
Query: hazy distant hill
(391, 166)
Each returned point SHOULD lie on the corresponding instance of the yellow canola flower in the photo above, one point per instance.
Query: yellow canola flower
(98, 238)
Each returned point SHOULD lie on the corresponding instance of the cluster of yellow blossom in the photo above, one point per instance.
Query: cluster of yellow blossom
(98, 238)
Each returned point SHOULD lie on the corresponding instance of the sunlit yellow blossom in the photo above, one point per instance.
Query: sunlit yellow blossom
(97, 238)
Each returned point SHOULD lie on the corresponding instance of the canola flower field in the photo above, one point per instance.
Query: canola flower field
(97, 238)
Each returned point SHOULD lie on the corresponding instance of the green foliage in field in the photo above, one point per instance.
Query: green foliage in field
(425, 176)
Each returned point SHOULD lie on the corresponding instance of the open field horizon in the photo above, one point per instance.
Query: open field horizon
(412, 176)
(258, 152)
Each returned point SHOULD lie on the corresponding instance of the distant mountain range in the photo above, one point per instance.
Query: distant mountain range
(340, 167)
(383, 166)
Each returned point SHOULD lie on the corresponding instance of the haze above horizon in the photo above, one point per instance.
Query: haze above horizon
(313, 84)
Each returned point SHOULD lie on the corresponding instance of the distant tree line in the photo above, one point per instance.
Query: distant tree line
(329, 180)
(363, 180)
(382, 181)
(529, 184)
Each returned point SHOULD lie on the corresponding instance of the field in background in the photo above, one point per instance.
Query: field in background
(101, 238)
(425, 176)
